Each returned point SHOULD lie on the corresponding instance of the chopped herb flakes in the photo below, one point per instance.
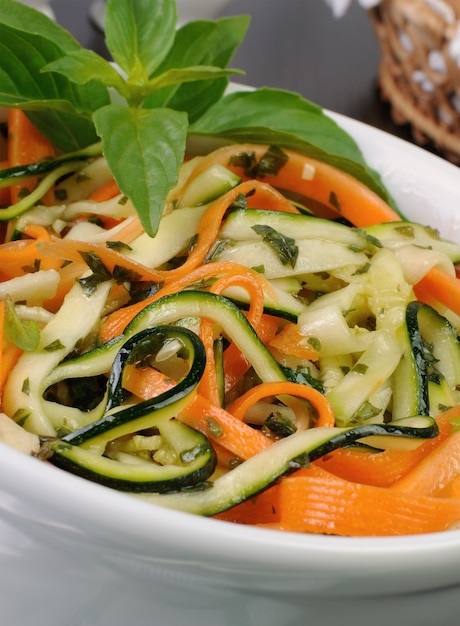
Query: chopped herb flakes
(360, 368)
(406, 231)
(213, 427)
(362, 270)
(334, 201)
(54, 346)
(25, 334)
(118, 245)
(268, 165)
(284, 246)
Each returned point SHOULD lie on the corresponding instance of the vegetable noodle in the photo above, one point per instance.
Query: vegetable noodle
(284, 353)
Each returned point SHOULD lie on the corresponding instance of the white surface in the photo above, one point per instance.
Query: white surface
(73, 553)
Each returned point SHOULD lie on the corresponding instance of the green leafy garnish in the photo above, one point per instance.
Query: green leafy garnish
(169, 86)
(285, 247)
(25, 334)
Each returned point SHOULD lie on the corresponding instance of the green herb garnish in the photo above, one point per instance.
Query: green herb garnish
(284, 246)
(169, 85)
(25, 334)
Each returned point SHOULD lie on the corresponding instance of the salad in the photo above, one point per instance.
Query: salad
(208, 300)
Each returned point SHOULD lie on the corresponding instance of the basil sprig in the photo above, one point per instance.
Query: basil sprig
(169, 84)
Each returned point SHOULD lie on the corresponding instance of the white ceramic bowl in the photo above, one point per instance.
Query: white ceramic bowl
(73, 553)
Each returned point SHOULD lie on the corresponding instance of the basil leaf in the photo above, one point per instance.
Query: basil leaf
(139, 34)
(83, 66)
(278, 117)
(25, 334)
(25, 19)
(179, 76)
(60, 109)
(199, 43)
(144, 149)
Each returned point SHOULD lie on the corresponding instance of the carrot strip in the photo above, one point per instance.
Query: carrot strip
(316, 399)
(106, 192)
(434, 471)
(384, 468)
(18, 257)
(9, 358)
(442, 287)
(259, 193)
(69, 250)
(26, 144)
(67, 277)
(213, 421)
(118, 320)
(324, 183)
(37, 232)
(318, 502)
(290, 341)
(381, 469)
(208, 386)
(146, 382)
(9, 352)
(261, 509)
(221, 426)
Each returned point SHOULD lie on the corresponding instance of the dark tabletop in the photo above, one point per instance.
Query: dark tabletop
(291, 44)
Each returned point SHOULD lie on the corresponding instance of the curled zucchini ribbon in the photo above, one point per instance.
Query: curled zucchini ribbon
(428, 379)
(285, 457)
(190, 459)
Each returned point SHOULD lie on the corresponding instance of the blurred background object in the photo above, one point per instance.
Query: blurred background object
(420, 68)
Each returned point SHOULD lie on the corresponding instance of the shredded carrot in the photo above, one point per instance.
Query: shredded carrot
(441, 287)
(221, 426)
(209, 385)
(440, 465)
(314, 397)
(318, 502)
(260, 509)
(290, 341)
(215, 422)
(434, 471)
(381, 469)
(106, 192)
(70, 250)
(26, 145)
(211, 220)
(146, 382)
(118, 320)
(9, 352)
(335, 189)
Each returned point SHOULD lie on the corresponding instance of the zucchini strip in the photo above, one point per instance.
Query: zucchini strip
(13, 175)
(170, 310)
(282, 458)
(190, 458)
